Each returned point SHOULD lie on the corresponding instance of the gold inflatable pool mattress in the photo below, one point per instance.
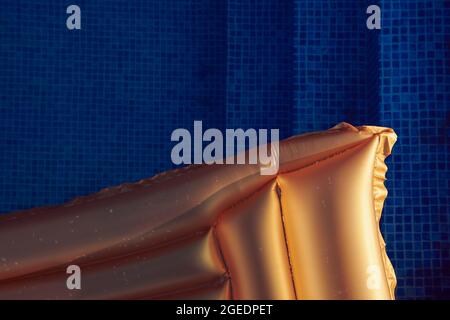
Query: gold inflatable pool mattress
(218, 231)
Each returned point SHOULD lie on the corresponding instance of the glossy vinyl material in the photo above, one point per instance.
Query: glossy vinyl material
(218, 231)
(255, 226)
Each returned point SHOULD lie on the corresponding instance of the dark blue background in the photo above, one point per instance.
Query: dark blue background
(82, 110)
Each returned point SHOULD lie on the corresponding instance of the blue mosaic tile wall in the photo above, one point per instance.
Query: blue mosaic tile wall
(336, 64)
(415, 100)
(259, 65)
(86, 109)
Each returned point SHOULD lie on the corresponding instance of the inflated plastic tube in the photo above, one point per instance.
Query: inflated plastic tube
(218, 231)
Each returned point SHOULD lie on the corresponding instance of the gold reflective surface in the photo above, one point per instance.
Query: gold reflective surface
(218, 231)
